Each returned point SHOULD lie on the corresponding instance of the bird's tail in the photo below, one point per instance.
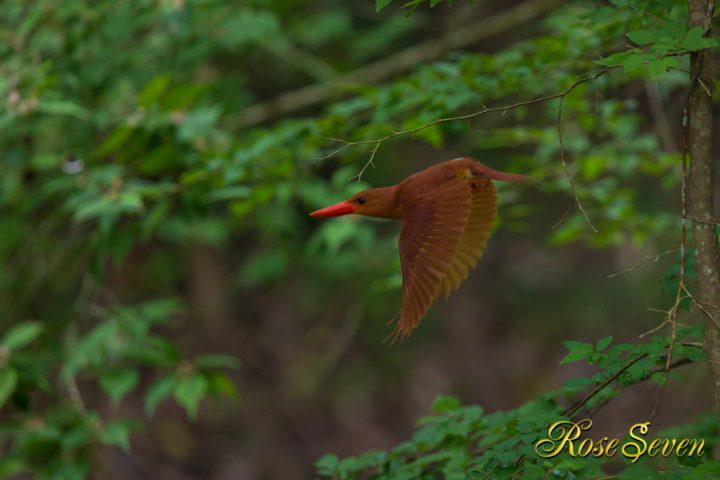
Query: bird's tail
(484, 171)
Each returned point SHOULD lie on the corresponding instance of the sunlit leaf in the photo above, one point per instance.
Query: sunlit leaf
(118, 383)
(156, 393)
(21, 335)
(8, 382)
(189, 391)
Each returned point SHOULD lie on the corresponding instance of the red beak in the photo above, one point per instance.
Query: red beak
(342, 208)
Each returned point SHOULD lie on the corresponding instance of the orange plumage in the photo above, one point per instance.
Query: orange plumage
(447, 212)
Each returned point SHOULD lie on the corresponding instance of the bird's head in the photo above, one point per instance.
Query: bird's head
(373, 202)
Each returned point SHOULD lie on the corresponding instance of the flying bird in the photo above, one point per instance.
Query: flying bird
(447, 212)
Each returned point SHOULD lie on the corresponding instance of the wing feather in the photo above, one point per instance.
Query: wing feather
(434, 224)
(473, 242)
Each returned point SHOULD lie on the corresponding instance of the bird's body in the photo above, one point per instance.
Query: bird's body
(447, 213)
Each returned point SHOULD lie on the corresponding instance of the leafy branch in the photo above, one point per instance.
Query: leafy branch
(376, 142)
(411, 131)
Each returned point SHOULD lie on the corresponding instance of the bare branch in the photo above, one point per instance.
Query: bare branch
(561, 220)
(699, 220)
(647, 259)
(578, 405)
(392, 65)
(671, 317)
(567, 170)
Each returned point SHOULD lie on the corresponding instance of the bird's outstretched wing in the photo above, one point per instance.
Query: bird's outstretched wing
(434, 222)
(473, 242)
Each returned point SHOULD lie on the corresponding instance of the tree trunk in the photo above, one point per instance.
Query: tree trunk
(700, 187)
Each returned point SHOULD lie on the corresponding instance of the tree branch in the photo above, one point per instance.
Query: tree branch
(664, 369)
(578, 405)
(653, 258)
(563, 149)
(424, 52)
(484, 110)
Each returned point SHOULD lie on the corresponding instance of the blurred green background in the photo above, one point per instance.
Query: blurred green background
(171, 310)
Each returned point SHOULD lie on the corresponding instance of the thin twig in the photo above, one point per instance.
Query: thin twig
(578, 405)
(644, 12)
(337, 150)
(679, 297)
(82, 303)
(664, 322)
(70, 383)
(367, 164)
(647, 259)
(566, 169)
(706, 222)
(484, 110)
(675, 364)
(564, 215)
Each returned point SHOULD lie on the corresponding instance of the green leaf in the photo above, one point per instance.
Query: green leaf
(634, 62)
(118, 383)
(216, 361)
(153, 90)
(432, 135)
(603, 343)
(220, 384)
(614, 60)
(659, 378)
(639, 472)
(576, 351)
(380, 4)
(644, 37)
(694, 40)
(189, 391)
(21, 335)
(671, 63)
(327, 464)
(118, 434)
(158, 392)
(153, 219)
(532, 471)
(8, 382)
(697, 355)
(445, 404)
(63, 108)
(11, 466)
(656, 69)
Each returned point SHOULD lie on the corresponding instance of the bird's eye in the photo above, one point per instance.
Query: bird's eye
(361, 200)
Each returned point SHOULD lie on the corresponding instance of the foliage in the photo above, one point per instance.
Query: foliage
(466, 442)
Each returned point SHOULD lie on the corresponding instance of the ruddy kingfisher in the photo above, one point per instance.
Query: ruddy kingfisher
(447, 212)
